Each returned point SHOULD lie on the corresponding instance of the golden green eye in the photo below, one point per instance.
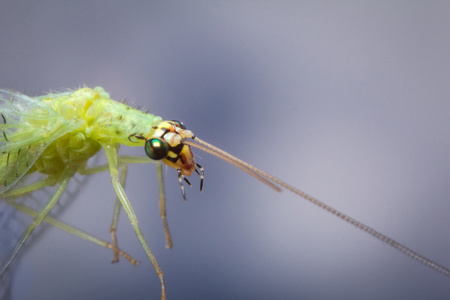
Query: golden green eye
(156, 148)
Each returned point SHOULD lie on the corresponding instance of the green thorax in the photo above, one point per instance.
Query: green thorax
(96, 120)
(102, 119)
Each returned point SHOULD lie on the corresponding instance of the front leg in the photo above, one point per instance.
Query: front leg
(111, 155)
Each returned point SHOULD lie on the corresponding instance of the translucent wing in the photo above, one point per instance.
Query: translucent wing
(28, 126)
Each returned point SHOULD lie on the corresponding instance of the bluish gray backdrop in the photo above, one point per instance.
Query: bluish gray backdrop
(348, 101)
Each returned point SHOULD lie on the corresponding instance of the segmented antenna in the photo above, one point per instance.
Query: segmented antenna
(270, 181)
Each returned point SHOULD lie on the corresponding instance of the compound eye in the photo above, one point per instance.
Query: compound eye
(179, 124)
(156, 148)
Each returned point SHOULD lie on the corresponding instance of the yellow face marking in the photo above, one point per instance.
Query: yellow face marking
(179, 155)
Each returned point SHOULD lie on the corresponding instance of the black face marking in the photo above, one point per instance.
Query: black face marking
(177, 151)
(118, 132)
(165, 132)
(172, 159)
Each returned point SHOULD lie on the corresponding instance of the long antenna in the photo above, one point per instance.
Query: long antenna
(270, 180)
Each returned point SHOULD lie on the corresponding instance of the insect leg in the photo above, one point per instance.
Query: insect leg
(111, 155)
(162, 205)
(162, 196)
(180, 180)
(123, 160)
(201, 174)
(40, 217)
(113, 228)
(72, 230)
(21, 191)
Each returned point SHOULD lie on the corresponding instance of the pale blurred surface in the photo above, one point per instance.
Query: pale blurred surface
(348, 102)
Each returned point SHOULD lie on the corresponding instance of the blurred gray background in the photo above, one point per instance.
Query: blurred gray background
(348, 101)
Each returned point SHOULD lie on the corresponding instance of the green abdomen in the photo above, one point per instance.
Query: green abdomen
(71, 150)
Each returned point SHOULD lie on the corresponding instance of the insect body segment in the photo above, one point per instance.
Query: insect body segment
(167, 144)
(179, 155)
(28, 128)
(56, 134)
